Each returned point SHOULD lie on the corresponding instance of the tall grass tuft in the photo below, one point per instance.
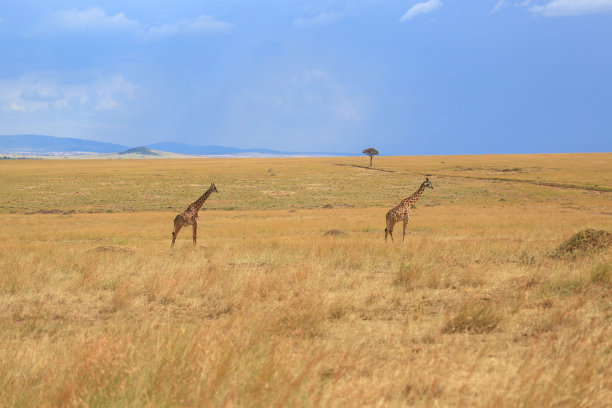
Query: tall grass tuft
(409, 276)
(474, 317)
(601, 274)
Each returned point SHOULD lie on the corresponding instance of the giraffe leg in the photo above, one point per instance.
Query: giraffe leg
(404, 232)
(177, 228)
(389, 230)
(386, 227)
(195, 233)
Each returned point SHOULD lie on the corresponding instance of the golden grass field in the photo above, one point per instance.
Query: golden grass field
(472, 309)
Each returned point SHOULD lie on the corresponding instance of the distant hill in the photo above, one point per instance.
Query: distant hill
(39, 145)
(145, 151)
(50, 145)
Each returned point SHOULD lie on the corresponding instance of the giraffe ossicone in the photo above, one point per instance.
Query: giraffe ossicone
(401, 212)
(190, 215)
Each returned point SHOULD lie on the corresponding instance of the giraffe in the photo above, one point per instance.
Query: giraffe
(190, 215)
(402, 211)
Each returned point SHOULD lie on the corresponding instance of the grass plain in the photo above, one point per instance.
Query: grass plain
(270, 310)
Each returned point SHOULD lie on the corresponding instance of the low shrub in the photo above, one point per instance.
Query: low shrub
(585, 242)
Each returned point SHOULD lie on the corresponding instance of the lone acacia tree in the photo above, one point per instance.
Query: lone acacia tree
(370, 151)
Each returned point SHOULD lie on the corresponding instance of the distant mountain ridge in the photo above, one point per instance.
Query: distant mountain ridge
(215, 150)
(46, 145)
(40, 145)
(183, 148)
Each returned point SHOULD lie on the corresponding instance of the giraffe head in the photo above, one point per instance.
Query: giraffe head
(427, 183)
(213, 188)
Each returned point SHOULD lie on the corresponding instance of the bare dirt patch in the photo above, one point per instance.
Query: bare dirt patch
(114, 248)
(53, 211)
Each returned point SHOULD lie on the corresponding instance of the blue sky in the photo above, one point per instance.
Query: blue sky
(406, 77)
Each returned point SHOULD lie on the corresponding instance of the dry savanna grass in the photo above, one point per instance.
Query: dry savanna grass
(292, 297)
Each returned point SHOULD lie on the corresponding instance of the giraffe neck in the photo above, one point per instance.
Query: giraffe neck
(196, 205)
(413, 198)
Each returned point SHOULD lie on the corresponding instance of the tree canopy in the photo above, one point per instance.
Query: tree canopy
(370, 151)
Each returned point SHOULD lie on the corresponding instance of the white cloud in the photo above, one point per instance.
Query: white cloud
(316, 74)
(14, 106)
(324, 18)
(92, 19)
(421, 8)
(96, 19)
(110, 91)
(51, 93)
(556, 8)
(500, 4)
(202, 24)
(345, 110)
(41, 94)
